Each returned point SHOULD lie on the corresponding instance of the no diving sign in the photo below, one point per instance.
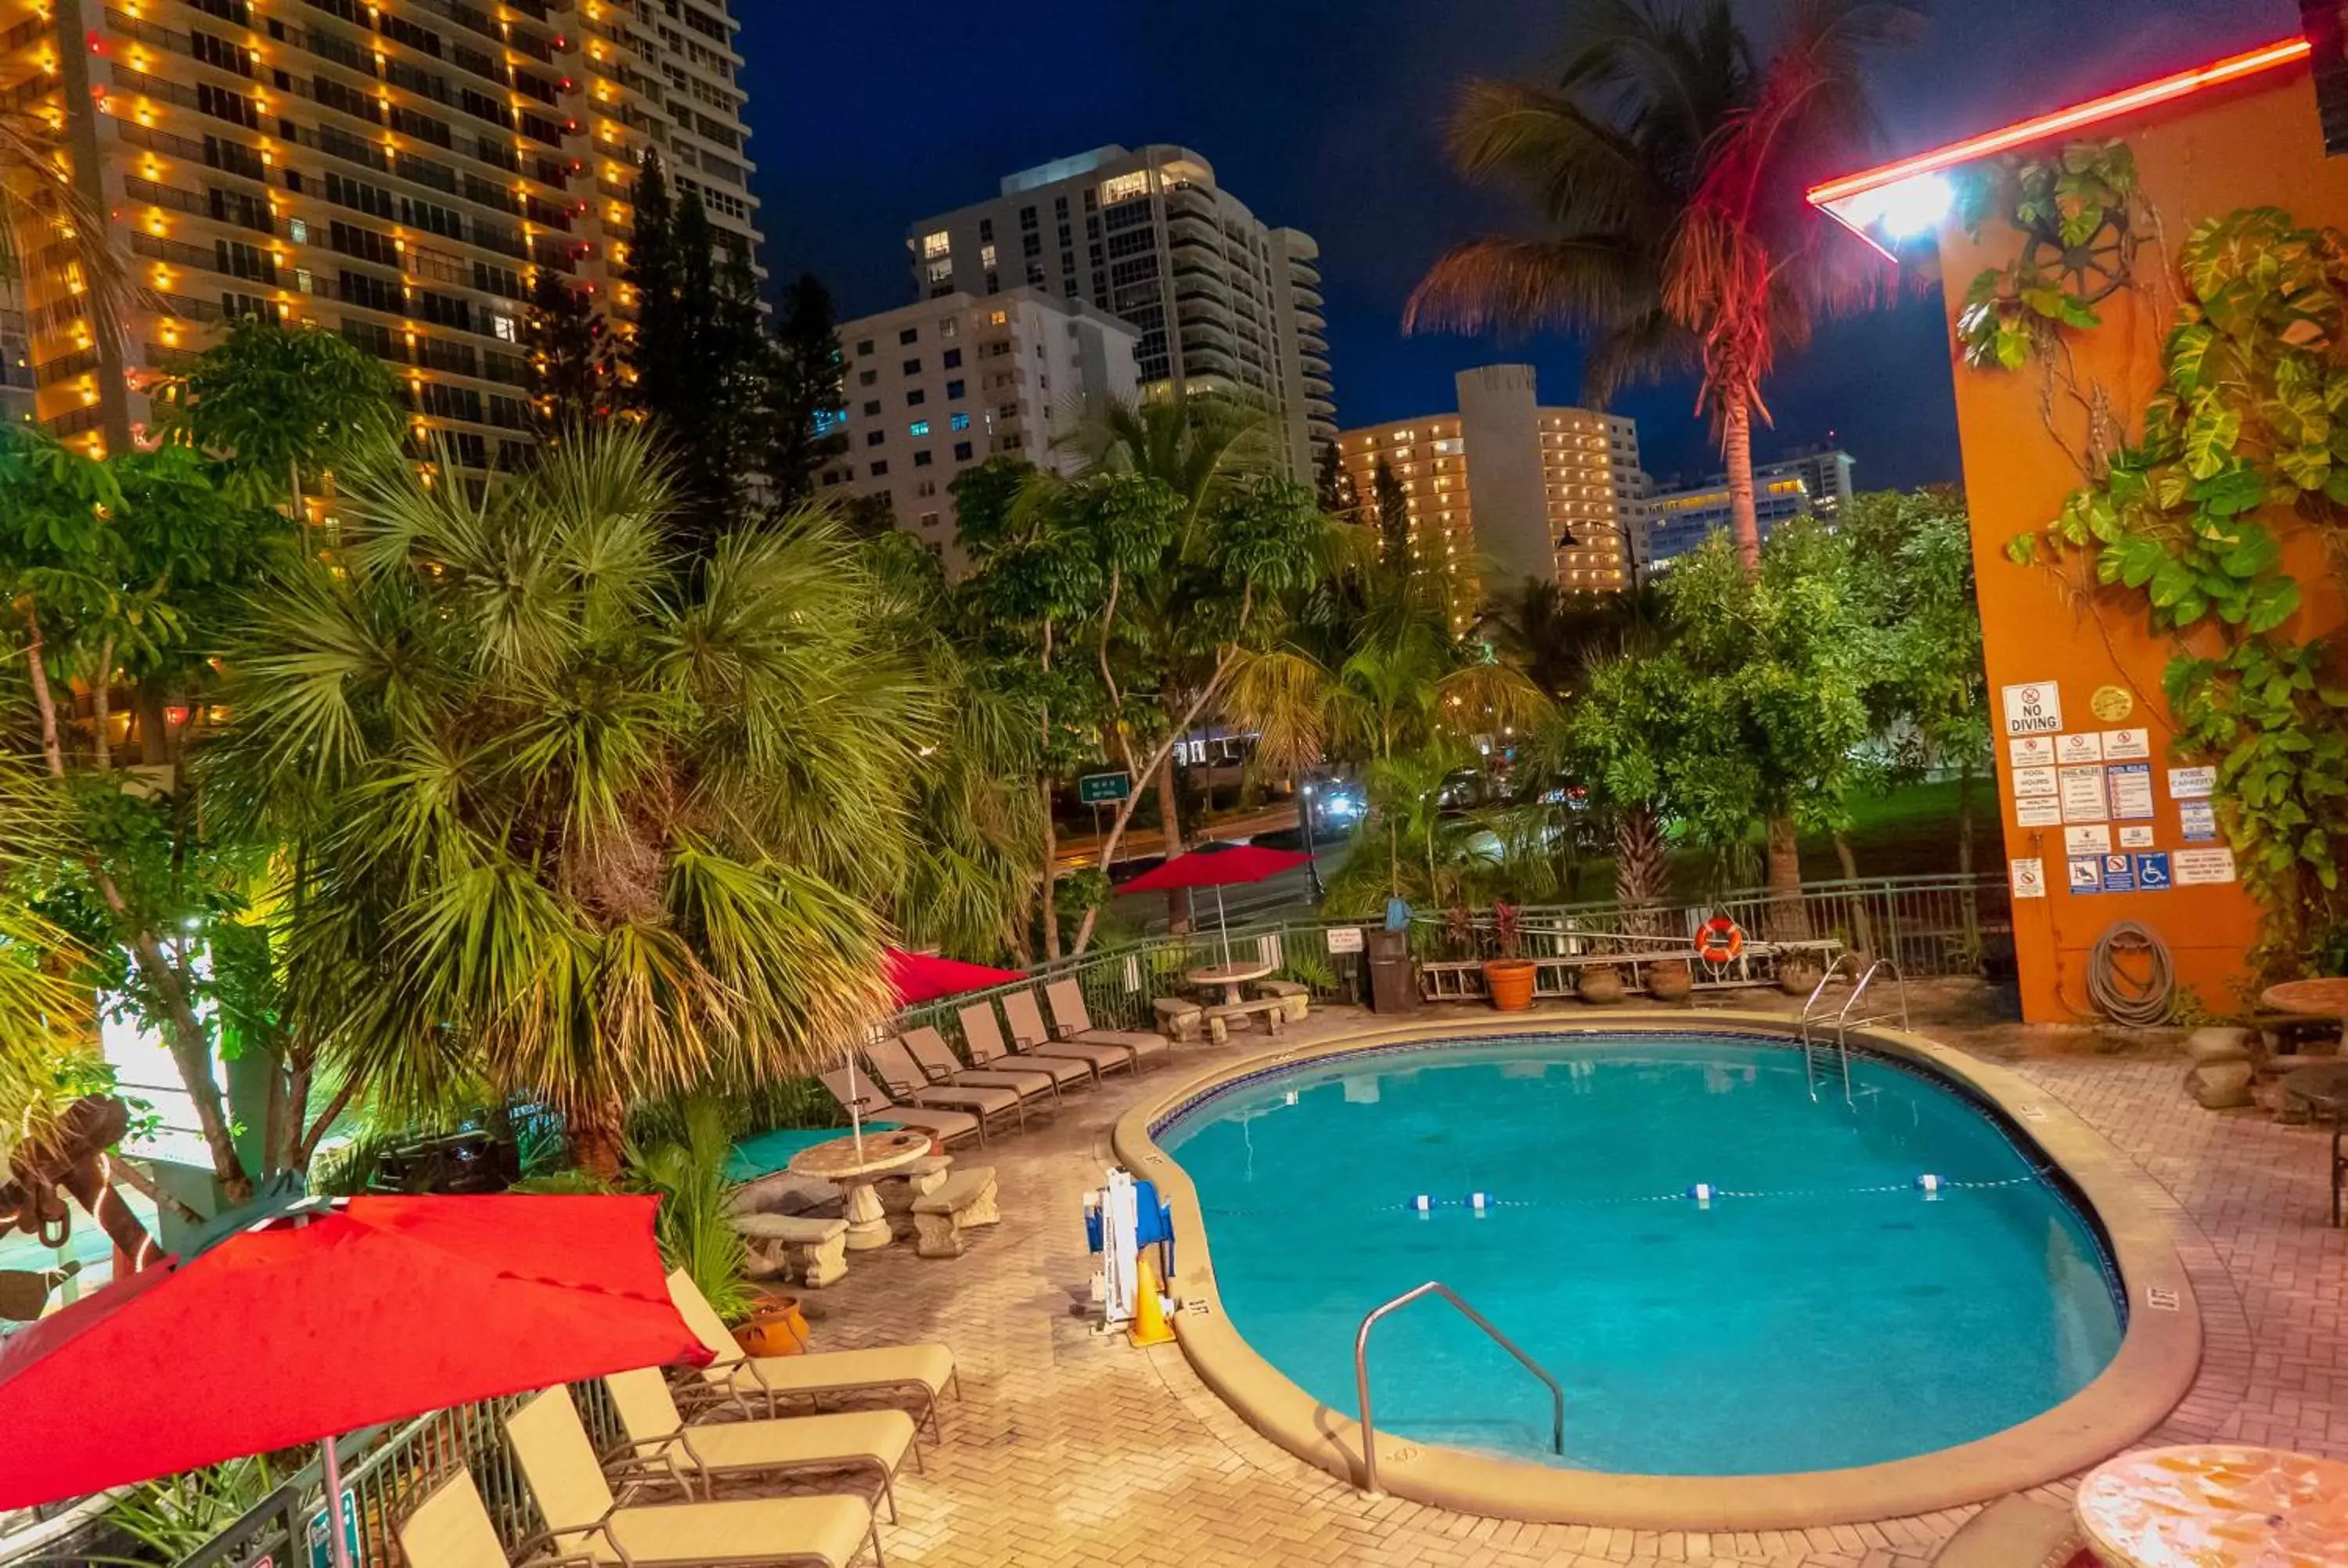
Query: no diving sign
(2033, 708)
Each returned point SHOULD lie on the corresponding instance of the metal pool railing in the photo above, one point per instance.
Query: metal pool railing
(1362, 1371)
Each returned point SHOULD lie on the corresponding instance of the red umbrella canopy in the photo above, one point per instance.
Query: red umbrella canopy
(332, 1317)
(1219, 868)
(924, 976)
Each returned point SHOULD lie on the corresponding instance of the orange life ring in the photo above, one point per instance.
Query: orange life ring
(1719, 940)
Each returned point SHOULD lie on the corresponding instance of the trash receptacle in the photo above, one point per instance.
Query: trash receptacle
(1393, 985)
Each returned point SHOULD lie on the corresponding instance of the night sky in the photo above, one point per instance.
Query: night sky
(1326, 116)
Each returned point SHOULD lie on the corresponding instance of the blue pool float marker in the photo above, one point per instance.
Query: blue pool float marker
(1930, 1185)
(1423, 1205)
(1701, 1193)
(1476, 1202)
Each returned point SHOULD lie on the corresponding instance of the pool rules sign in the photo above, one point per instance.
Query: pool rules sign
(2033, 708)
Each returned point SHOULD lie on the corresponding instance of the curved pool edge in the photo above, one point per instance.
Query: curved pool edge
(2159, 1357)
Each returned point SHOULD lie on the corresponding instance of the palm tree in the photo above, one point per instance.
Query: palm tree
(1668, 163)
(41, 205)
(564, 818)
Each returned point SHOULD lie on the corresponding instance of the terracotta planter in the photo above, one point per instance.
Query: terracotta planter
(1510, 983)
(1670, 981)
(1798, 979)
(1602, 984)
(773, 1328)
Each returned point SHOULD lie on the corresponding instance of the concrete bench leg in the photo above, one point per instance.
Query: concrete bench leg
(821, 1264)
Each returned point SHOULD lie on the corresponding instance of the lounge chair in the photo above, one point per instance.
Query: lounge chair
(451, 1529)
(1030, 1037)
(1072, 1021)
(984, 1038)
(936, 1059)
(852, 1087)
(923, 1372)
(904, 1079)
(575, 1499)
(870, 1441)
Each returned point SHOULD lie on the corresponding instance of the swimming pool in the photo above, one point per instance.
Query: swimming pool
(1821, 1311)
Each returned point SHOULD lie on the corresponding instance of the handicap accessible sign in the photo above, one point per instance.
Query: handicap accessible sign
(2152, 872)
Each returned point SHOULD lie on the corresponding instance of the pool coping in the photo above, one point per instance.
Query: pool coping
(2159, 1357)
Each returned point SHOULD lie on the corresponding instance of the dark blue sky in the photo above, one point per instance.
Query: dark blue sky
(1325, 116)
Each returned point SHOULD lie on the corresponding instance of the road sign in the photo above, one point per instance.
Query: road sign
(1094, 789)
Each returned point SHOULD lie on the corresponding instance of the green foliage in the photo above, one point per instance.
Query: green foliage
(2241, 444)
(2011, 312)
(1913, 561)
(688, 1171)
(275, 399)
(573, 354)
(171, 1517)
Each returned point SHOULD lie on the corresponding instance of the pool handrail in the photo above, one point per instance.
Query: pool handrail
(1362, 1371)
(1810, 1016)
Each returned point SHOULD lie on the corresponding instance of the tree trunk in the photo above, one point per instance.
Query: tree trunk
(101, 705)
(1862, 928)
(1788, 920)
(293, 474)
(1177, 900)
(1641, 868)
(1736, 451)
(1051, 900)
(36, 670)
(595, 1130)
(91, 1187)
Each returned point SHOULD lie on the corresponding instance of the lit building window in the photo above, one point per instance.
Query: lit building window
(937, 244)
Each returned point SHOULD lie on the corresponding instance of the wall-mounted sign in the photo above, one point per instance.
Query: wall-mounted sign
(2135, 838)
(2029, 877)
(2035, 781)
(2079, 746)
(2126, 746)
(2083, 799)
(2131, 790)
(2152, 875)
(2031, 750)
(2095, 840)
(2033, 708)
(2112, 704)
(2194, 867)
(2120, 873)
(2038, 810)
(2191, 783)
(2085, 872)
(2197, 821)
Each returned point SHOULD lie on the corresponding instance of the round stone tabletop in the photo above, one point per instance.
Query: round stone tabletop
(2219, 1506)
(844, 1158)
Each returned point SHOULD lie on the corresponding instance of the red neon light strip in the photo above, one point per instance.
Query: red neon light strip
(2282, 51)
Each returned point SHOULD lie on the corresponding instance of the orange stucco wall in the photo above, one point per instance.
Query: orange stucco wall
(2251, 146)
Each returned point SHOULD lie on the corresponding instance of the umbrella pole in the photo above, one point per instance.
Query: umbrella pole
(331, 1463)
(1223, 926)
(855, 1109)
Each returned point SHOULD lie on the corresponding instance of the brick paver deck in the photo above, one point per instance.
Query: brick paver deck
(1069, 1448)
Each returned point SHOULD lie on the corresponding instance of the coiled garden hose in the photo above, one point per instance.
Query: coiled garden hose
(2120, 995)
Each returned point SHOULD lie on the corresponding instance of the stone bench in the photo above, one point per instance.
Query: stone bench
(964, 1202)
(1273, 1011)
(1183, 1020)
(899, 1191)
(1297, 997)
(814, 1252)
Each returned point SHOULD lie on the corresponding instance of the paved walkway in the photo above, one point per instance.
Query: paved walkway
(1066, 1448)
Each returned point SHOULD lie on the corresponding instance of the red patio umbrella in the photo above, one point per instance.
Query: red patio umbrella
(1218, 869)
(338, 1315)
(924, 976)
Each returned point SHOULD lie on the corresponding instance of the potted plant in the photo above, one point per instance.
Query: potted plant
(1509, 979)
(1798, 973)
(1669, 980)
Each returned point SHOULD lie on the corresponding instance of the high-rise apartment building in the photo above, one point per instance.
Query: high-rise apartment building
(1221, 299)
(934, 387)
(397, 172)
(1811, 481)
(1504, 489)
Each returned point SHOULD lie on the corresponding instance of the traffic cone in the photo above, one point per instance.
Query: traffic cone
(1149, 1325)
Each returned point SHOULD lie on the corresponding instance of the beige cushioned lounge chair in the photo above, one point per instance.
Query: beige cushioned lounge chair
(1032, 1038)
(923, 1372)
(905, 1079)
(984, 1038)
(851, 1087)
(869, 1442)
(557, 1461)
(937, 1061)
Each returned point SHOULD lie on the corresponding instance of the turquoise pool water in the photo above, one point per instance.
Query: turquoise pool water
(1821, 1312)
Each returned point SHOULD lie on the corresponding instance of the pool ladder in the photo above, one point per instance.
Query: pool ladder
(1812, 1016)
(1362, 1372)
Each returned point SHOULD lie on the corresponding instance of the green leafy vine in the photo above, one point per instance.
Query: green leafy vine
(2247, 433)
(2075, 212)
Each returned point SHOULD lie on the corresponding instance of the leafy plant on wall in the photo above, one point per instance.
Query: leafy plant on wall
(2245, 441)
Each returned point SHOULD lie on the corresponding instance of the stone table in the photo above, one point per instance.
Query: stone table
(1230, 977)
(2219, 1506)
(853, 1166)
